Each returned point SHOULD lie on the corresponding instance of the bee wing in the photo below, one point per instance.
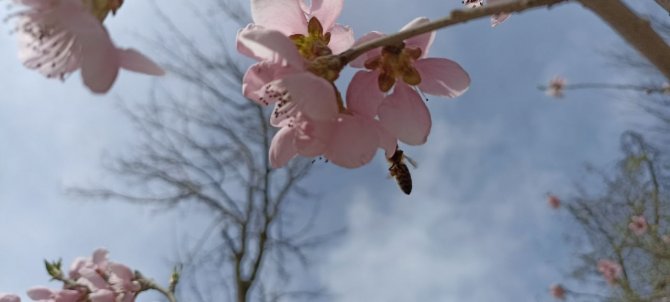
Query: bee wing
(412, 162)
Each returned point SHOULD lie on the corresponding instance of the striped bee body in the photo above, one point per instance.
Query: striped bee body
(399, 170)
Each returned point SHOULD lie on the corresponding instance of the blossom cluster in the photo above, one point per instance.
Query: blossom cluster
(297, 47)
(610, 270)
(94, 279)
(58, 37)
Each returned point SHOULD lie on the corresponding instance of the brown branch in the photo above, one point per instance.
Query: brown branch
(665, 4)
(456, 17)
(635, 30)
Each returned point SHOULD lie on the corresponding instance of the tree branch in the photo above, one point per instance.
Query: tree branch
(665, 4)
(635, 30)
(456, 17)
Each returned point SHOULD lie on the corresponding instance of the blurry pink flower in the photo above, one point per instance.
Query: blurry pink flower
(638, 225)
(57, 37)
(121, 279)
(554, 201)
(665, 239)
(403, 112)
(610, 270)
(43, 294)
(556, 87)
(557, 291)
(97, 262)
(9, 298)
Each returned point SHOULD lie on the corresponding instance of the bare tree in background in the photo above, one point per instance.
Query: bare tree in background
(638, 185)
(204, 146)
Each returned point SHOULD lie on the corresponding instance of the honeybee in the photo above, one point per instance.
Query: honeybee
(399, 170)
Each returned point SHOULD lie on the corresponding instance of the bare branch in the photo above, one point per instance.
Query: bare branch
(635, 30)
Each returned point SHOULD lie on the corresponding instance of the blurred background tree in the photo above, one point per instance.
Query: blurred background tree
(207, 150)
(625, 216)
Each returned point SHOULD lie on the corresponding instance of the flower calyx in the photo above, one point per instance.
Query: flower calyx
(101, 8)
(396, 62)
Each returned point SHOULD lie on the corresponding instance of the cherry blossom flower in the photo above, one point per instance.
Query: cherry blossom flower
(610, 270)
(554, 201)
(97, 262)
(665, 239)
(43, 294)
(58, 37)
(556, 87)
(638, 225)
(9, 298)
(557, 291)
(310, 113)
(399, 67)
(295, 19)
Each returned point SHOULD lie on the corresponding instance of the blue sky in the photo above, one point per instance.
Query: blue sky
(476, 227)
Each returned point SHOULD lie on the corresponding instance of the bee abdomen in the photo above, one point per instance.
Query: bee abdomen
(403, 178)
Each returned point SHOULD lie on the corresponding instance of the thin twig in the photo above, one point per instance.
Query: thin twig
(612, 86)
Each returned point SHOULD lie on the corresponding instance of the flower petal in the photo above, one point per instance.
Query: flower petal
(121, 271)
(363, 94)
(327, 11)
(405, 116)
(422, 42)
(133, 60)
(271, 45)
(282, 148)
(9, 298)
(258, 76)
(442, 77)
(39, 293)
(354, 141)
(304, 93)
(312, 136)
(498, 19)
(360, 61)
(285, 16)
(100, 258)
(387, 141)
(99, 63)
(341, 38)
(103, 295)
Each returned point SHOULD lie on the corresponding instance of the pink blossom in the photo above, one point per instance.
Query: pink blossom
(402, 112)
(104, 278)
(43, 294)
(554, 201)
(556, 87)
(9, 298)
(665, 239)
(638, 225)
(610, 270)
(291, 17)
(310, 112)
(58, 37)
(557, 291)
(97, 262)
